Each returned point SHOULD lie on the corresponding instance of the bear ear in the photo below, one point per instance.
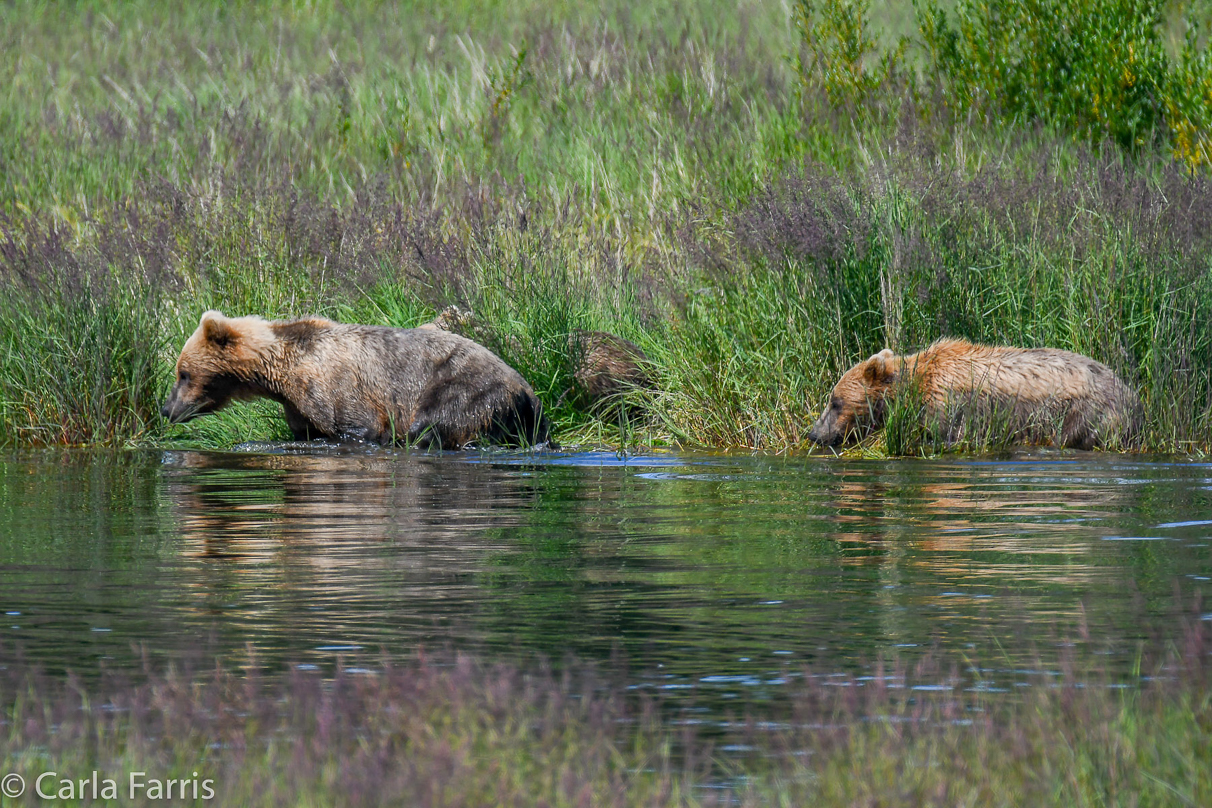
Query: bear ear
(879, 367)
(216, 329)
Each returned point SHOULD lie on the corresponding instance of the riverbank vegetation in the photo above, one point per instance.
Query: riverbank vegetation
(759, 195)
(452, 732)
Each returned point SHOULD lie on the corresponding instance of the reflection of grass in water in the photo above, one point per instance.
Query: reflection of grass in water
(418, 732)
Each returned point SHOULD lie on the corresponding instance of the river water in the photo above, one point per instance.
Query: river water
(710, 574)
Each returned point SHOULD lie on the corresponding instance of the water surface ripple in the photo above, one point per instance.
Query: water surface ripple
(700, 571)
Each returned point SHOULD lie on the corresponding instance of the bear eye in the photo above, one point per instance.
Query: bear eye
(183, 376)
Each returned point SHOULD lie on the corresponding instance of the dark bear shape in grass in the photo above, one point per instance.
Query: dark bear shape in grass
(371, 383)
(605, 366)
(1040, 395)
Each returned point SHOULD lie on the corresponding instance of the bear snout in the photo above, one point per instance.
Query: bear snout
(175, 411)
(823, 433)
(168, 411)
(821, 439)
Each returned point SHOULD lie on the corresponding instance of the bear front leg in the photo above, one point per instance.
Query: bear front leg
(1077, 432)
(300, 427)
(426, 434)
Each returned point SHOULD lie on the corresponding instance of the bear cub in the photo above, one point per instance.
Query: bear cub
(605, 366)
(1042, 395)
(371, 383)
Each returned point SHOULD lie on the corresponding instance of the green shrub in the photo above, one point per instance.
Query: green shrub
(1099, 68)
(840, 52)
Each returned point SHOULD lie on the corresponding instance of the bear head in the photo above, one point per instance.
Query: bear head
(856, 406)
(453, 319)
(222, 360)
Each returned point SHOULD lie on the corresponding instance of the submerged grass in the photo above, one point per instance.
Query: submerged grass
(429, 731)
(669, 174)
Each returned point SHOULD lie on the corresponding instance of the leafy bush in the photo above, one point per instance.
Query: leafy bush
(839, 49)
(1097, 68)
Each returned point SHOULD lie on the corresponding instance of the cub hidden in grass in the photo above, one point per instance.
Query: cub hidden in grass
(605, 366)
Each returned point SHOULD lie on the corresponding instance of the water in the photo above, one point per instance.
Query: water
(703, 574)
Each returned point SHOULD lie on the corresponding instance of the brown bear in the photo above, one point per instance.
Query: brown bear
(604, 366)
(370, 383)
(453, 319)
(1042, 395)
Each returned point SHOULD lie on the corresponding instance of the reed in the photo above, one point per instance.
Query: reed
(669, 174)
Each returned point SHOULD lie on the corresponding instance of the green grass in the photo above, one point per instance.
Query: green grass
(673, 174)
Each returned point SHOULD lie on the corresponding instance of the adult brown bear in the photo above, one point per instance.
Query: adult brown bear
(370, 383)
(1041, 395)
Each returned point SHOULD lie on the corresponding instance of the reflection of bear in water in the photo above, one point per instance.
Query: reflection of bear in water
(372, 383)
(1045, 395)
(605, 366)
(321, 506)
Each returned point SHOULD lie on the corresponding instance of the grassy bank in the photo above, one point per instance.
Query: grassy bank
(698, 177)
(431, 732)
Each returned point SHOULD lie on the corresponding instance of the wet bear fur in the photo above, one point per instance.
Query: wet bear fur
(1041, 395)
(371, 383)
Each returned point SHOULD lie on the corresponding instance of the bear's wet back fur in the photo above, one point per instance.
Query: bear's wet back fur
(1040, 395)
(371, 383)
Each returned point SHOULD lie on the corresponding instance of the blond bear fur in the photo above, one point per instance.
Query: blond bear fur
(1042, 395)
